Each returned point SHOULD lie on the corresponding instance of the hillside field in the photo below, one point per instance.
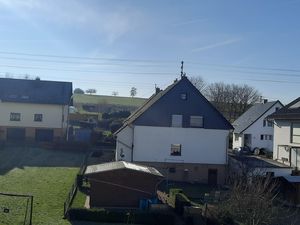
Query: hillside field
(104, 99)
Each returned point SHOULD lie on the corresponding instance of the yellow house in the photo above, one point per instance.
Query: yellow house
(33, 109)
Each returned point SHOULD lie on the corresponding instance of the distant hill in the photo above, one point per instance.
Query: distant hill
(104, 103)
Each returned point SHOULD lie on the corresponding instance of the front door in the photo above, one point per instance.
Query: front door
(212, 176)
(247, 140)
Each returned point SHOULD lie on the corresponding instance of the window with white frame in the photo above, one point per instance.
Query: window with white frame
(176, 149)
(196, 121)
(15, 116)
(38, 117)
(295, 133)
(176, 120)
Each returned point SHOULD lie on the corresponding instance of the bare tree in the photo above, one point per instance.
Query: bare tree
(133, 91)
(253, 200)
(230, 99)
(91, 91)
(199, 83)
(115, 93)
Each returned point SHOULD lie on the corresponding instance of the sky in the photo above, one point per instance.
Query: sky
(115, 45)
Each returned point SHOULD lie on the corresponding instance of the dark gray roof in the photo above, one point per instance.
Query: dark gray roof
(147, 104)
(290, 112)
(35, 91)
(105, 167)
(251, 115)
(156, 97)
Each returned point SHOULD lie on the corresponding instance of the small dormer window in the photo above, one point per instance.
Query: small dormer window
(183, 96)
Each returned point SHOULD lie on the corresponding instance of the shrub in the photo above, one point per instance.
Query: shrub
(139, 217)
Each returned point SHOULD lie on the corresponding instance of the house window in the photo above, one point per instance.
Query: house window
(196, 121)
(264, 123)
(276, 109)
(176, 149)
(295, 133)
(183, 96)
(38, 117)
(270, 137)
(261, 137)
(15, 116)
(176, 120)
(270, 124)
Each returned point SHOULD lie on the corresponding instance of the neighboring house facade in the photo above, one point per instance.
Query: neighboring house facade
(33, 109)
(287, 134)
(178, 132)
(253, 130)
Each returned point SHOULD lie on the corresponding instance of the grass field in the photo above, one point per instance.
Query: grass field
(103, 99)
(45, 174)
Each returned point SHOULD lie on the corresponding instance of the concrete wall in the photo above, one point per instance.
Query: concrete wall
(207, 146)
(189, 172)
(54, 116)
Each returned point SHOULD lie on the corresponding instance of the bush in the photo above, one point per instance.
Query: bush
(139, 217)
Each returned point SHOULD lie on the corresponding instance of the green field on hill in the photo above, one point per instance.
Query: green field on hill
(104, 99)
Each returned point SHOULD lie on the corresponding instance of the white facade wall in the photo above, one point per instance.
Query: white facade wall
(54, 116)
(257, 129)
(206, 146)
(124, 144)
(282, 136)
(239, 142)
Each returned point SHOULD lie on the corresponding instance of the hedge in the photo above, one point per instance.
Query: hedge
(101, 215)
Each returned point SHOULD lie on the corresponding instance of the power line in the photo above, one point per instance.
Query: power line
(148, 61)
(87, 58)
(87, 71)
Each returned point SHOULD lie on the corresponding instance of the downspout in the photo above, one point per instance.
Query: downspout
(132, 144)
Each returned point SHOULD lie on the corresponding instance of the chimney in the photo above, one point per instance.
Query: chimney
(157, 90)
(265, 101)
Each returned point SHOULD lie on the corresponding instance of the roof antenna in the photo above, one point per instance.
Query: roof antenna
(182, 74)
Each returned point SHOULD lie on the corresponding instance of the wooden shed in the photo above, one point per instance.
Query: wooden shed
(121, 184)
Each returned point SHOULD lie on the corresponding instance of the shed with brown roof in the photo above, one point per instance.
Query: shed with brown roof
(121, 184)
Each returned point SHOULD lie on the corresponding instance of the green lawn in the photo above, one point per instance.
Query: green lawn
(45, 174)
(103, 99)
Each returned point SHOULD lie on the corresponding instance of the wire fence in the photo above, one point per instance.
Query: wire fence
(74, 188)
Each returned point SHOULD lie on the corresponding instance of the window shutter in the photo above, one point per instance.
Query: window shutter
(176, 120)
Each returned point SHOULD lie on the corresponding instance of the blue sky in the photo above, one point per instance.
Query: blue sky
(114, 45)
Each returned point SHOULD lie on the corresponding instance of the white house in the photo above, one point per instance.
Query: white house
(253, 130)
(33, 109)
(287, 134)
(180, 133)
